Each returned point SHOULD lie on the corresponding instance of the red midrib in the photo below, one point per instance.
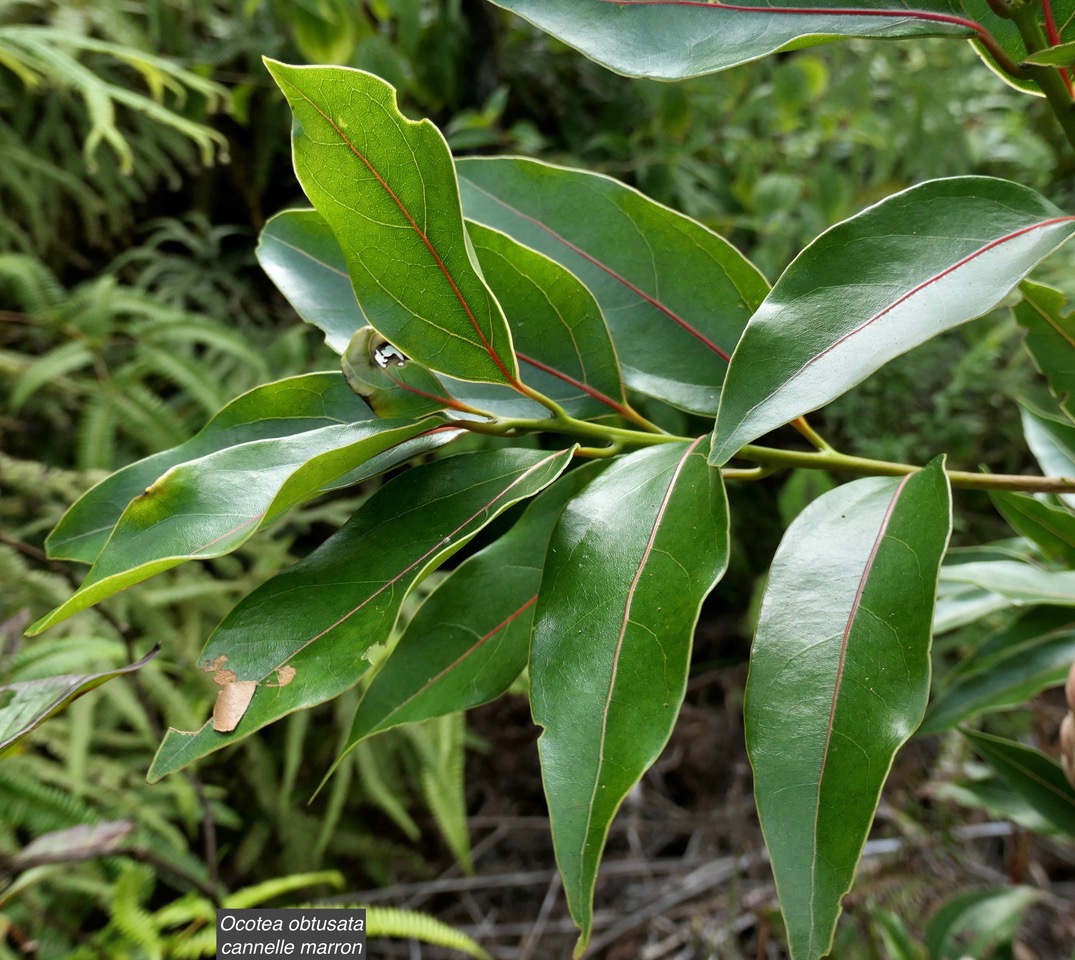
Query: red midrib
(418, 230)
(812, 11)
(440, 544)
(619, 278)
(506, 622)
(624, 621)
(567, 378)
(856, 603)
(936, 278)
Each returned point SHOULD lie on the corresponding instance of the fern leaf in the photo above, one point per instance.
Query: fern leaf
(271, 889)
(441, 747)
(379, 793)
(412, 925)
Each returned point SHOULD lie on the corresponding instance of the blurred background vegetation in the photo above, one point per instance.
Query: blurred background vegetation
(142, 147)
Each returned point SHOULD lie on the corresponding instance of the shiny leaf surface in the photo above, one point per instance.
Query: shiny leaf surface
(1050, 338)
(676, 296)
(559, 332)
(301, 255)
(839, 678)
(1051, 528)
(628, 566)
(1032, 655)
(28, 703)
(386, 186)
(1019, 583)
(1035, 777)
(319, 617)
(470, 640)
(207, 507)
(674, 39)
(281, 409)
(875, 286)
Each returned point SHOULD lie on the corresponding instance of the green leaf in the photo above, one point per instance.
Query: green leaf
(630, 561)
(1036, 778)
(839, 678)
(1009, 39)
(1019, 662)
(1052, 441)
(974, 924)
(207, 507)
(558, 329)
(301, 255)
(321, 616)
(26, 704)
(676, 296)
(875, 286)
(1050, 338)
(471, 638)
(1062, 55)
(280, 409)
(1051, 528)
(386, 186)
(1019, 583)
(675, 39)
(564, 345)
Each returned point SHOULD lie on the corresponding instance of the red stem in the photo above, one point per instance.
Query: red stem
(1054, 36)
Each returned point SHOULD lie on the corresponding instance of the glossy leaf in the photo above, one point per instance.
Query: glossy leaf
(1051, 528)
(26, 704)
(207, 507)
(559, 332)
(875, 286)
(959, 604)
(301, 255)
(1062, 55)
(392, 384)
(1006, 33)
(281, 409)
(1050, 338)
(674, 39)
(975, 924)
(630, 561)
(470, 640)
(676, 296)
(839, 678)
(331, 607)
(1052, 441)
(386, 186)
(1034, 776)
(1019, 583)
(1031, 655)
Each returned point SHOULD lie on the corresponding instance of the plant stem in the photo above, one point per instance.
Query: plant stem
(769, 458)
(1025, 17)
(831, 460)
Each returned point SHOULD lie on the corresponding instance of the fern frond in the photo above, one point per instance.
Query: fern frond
(147, 417)
(271, 889)
(194, 330)
(378, 792)
(96, 442)
(412, 925)
(30, 285)
(186, 373)
(52, 53)
(130, 917)
(441, 747)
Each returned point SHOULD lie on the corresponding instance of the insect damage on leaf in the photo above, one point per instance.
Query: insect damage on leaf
(235, 695)
(385, 353)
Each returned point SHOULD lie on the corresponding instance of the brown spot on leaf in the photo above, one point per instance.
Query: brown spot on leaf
(231, 702)
(284, 676)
